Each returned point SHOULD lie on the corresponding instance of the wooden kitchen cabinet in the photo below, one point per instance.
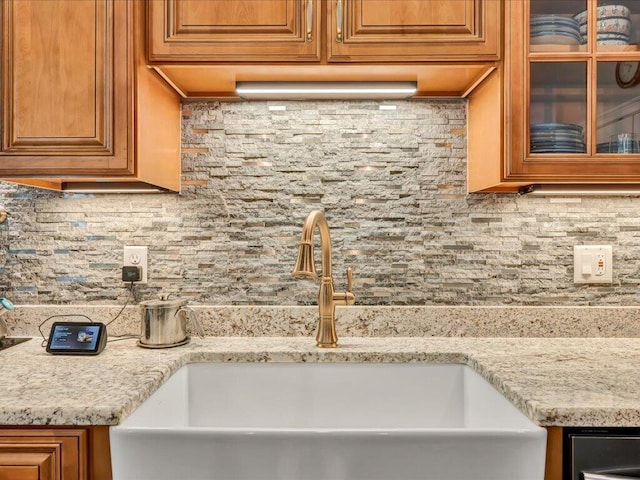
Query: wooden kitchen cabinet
(554, 458)
(43, 454)
(79, 105)
(54, 453)
(204, 47)
(234, 30)
(413, 31)
(565, 116)
(301, 30)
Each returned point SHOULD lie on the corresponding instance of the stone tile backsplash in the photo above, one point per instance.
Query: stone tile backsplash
(392, 184)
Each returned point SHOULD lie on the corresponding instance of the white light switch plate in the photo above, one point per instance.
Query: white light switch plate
(592, 264)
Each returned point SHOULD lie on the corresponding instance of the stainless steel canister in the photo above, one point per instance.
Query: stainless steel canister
(164, 323)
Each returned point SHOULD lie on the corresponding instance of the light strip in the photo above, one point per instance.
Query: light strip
(585, 190)
(115, 190)
(324, 90)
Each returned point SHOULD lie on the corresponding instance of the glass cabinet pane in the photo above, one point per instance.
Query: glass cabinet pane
(556, 25)
(558, 107)
(617, 24)
(618, 107)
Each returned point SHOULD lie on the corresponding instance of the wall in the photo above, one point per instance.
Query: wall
(392, 183)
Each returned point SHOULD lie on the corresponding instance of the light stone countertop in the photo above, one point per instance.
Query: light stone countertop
(357, 321)
(554, 381)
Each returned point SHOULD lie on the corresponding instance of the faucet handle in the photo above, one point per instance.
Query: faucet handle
(346, 298)
(349, 297)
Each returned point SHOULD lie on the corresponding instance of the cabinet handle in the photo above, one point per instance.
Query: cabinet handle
(309, 20)
(339, 22)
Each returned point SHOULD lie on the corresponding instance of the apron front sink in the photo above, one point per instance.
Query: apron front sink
(329, 421)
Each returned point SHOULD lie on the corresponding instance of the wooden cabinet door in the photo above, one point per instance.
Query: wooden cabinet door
(234, 30)
(413, 30)
(64, 77)
(24, 463)
(43, 454)
(554, 89)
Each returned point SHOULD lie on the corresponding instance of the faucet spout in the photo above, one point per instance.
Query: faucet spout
(305, 268)
(305, 265)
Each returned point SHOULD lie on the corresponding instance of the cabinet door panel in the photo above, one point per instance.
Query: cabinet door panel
(413, 30)
(19, 473)
(421, 17)
(65, 107)
(54, 454)
(43, 84)
(247, 16)
(24, 463)
(234, 30)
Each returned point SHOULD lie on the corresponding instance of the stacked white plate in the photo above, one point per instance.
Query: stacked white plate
(613, 27)
(554, 30)
(557, 138)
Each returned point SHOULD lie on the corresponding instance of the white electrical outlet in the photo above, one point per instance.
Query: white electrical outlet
(136, 257)
(592, 264)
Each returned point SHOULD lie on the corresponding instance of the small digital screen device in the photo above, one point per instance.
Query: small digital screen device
(77, 338)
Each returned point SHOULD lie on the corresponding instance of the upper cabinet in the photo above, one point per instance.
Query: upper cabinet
(58, 86)
(78, 101)
(300, 30)
(412, 30)
(570, 97)
(234, 30)
(202, 47)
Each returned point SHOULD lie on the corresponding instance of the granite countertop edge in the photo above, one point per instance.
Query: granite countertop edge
(554, 381)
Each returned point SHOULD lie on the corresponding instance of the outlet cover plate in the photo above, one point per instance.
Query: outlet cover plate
(136, 256)
(592, 264)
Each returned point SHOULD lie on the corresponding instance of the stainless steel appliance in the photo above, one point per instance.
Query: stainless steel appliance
(601, 453)
(164, 323)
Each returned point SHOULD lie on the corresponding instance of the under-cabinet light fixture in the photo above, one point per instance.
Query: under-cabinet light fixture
(114, 190)
(84, 187)
(585, 190)
(325, 90)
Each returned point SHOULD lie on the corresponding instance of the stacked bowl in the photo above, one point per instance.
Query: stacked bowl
(555, 30)
(557, 138)
(613, 25)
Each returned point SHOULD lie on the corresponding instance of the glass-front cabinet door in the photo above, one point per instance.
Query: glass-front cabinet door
(573, 92)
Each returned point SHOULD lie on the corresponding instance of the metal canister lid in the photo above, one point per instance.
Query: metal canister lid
(176, 303)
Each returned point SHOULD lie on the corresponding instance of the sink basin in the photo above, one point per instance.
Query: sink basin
(329, 421)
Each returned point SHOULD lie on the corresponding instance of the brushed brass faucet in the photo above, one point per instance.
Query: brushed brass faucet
(305, 267)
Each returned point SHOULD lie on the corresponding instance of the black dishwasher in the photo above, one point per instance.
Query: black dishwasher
(601, 453)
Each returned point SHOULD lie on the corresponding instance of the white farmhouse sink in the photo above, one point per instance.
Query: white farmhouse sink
(308, 421)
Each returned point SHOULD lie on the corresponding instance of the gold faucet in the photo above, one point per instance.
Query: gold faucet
(305, 267)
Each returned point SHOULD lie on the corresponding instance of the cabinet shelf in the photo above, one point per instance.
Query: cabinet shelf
(550, 49)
